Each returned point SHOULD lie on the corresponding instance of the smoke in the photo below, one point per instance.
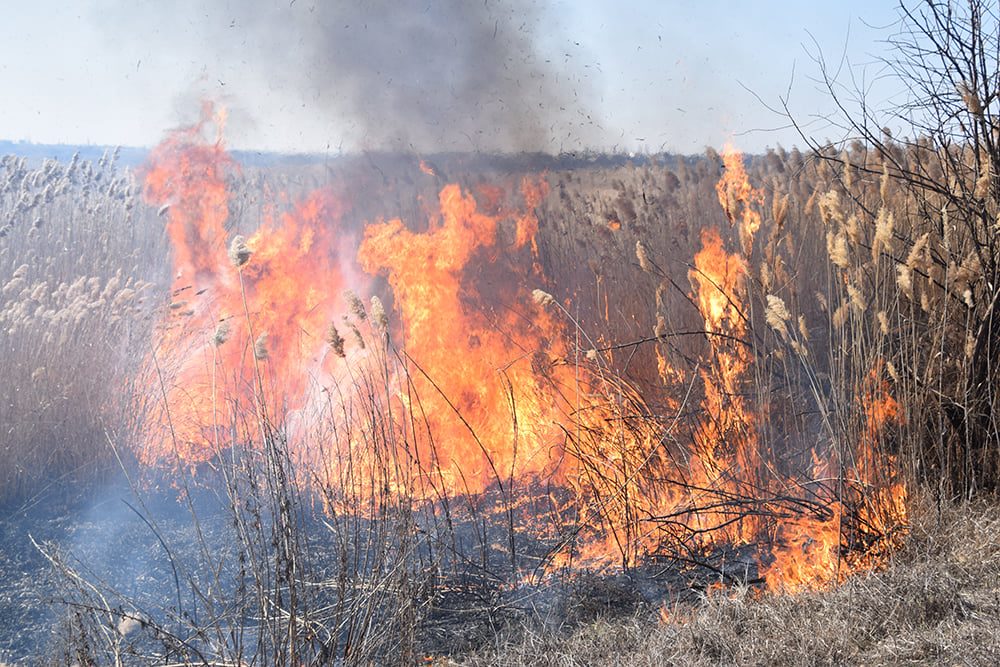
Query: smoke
(420, 73)
(424, 76)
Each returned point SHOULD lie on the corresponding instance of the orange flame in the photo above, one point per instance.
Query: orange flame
(494, 408)
(735, 193)
(281, 300)
(488, 392)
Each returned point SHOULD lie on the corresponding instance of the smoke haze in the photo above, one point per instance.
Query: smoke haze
(311, 76)
(427, 76)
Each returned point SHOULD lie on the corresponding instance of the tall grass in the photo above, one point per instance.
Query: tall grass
(78, 257)
(841, 304)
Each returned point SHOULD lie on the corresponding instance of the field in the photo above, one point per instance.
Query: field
(703, 415)
(450, 408)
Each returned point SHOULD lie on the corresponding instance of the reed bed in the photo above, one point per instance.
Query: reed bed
(76, 304)
(860, 338)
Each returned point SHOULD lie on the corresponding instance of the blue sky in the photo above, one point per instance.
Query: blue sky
(656, 75)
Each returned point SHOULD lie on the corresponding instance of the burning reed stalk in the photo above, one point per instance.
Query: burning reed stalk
(335, 340)
(860, 379)
(239, 253)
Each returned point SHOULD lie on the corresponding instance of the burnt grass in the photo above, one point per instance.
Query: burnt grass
(142, 547)
(937, 602)
(103, 534)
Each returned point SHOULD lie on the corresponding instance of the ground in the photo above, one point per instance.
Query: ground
(938, 602)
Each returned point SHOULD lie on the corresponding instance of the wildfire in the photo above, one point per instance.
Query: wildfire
(735, 493)
(808, 554)
(426, 168)
(284, 294)
(725, 444)
(480, 385)
(739, 199)
(495, 408)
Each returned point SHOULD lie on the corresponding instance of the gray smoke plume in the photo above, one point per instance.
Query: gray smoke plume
(422, 73)
(428, 75)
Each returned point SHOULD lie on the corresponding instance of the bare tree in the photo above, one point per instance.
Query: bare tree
(931, 161)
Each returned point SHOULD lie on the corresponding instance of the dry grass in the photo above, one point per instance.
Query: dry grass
(74, 315)
(938, 603)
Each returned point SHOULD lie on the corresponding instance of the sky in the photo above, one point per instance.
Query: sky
(645, 75)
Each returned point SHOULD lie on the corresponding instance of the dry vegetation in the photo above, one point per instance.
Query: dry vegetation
(874, 273)
(74, 313)
(938, 603)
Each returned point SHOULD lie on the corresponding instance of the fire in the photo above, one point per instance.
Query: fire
(736, 194)
(495, 407)
(739, 496)
(282, 300)
(481, 385)
(725, 445)
(718, 279)
(426, 168)
(809, 554)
